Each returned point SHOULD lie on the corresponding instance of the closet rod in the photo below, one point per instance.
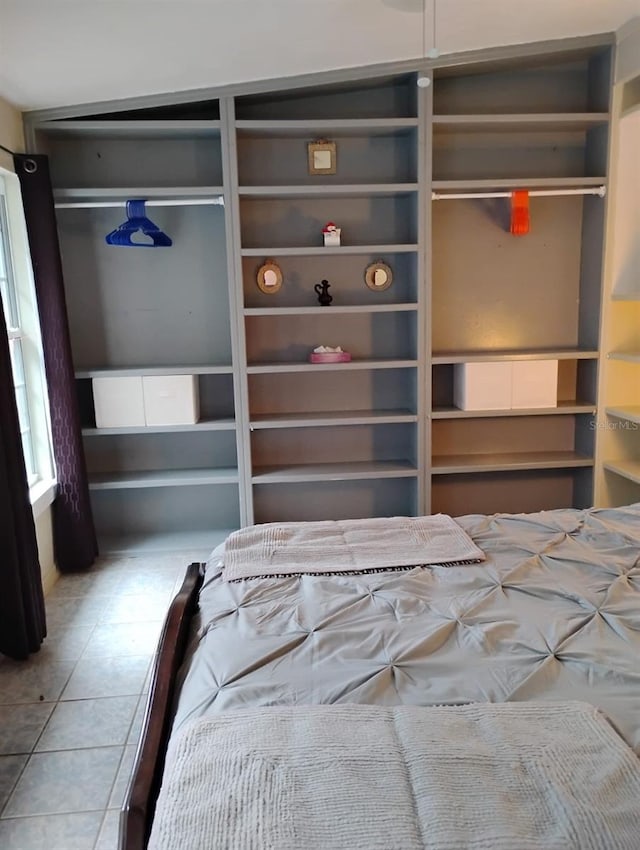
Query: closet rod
(443, 196)
(186, 202)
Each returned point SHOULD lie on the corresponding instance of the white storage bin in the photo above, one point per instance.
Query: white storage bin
(171, 399)
(118, 402)
(482, 386)
(534, 383)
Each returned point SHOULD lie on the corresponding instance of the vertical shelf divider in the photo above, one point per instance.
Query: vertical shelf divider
(423, 376)
(236, 306)
(617, 443)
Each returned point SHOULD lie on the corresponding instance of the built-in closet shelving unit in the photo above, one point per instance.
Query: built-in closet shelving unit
(542, 127)
(281, 438)
(333, 439)
(141, 312)
(619, 423)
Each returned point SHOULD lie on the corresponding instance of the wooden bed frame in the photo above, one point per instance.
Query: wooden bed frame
(138, 809)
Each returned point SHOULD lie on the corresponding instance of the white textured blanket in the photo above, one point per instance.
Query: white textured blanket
(344, 546)
(514, 776)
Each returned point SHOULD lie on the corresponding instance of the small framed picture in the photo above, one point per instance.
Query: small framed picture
(269, 277)
(322, 157)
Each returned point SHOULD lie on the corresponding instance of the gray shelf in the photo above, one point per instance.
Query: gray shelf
(518, 183)
(629, 469)
(161, 129)
(563, 408)
(504, 462)
(205, 539)
(269, 368)
(312, 250)
(203, 425)
(145, 371)
(335, 128)
(627, 414)
(334, 472)
(117, 193)
(337, 417)
(628, 356)
(444, 358)
(162, 478)
(529, 122)
(324, 311)
(327, 190)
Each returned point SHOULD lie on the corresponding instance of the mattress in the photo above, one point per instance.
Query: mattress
(552, 614)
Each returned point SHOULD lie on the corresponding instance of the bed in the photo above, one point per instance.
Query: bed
(551, 615)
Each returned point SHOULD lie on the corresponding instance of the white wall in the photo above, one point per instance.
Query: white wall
(44, 535)
(474, 24)
(10, 132)
(628, 58)
(11, 137)
(61, 52)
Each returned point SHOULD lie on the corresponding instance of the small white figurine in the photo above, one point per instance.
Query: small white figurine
(331, 234)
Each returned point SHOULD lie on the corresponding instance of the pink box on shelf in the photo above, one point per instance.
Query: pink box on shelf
(330, 357)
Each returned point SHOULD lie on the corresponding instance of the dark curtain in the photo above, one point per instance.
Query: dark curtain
(74, 535)
(22, 619)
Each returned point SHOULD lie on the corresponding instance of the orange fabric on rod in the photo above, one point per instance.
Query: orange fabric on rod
(519, 213)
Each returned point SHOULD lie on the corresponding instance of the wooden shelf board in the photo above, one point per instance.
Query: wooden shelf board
(333, 417)
(629, 469)
(518, 183)
(334, 127)
(334, 472)
(316, 250)
(327, 190)
(165, 541)
(629, 356)
(117, 193)
(519, 122)
(632, 297)
(629, 413)
(444, 358)
(162, 478)
(123, 129)
(634, 107)
(504, 462)
(203, 425)
(267, 368)
(563, 408)
(333, 309)
(145, 371)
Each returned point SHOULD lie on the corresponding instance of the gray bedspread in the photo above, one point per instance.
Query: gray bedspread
(552, 614)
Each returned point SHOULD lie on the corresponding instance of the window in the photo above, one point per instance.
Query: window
(21, 318)
(16, 340)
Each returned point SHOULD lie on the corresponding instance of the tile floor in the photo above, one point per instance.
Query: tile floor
(70, 716)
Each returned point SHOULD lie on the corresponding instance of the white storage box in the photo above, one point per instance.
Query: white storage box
(534, 383)
(482, 386)
(118, 402)
(171, 399)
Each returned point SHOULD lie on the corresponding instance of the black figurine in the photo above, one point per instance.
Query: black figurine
(322, 291)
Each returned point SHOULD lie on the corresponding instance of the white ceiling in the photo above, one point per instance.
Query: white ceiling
(63, 52)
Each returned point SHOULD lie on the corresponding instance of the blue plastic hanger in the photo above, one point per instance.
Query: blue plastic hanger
(137, 221)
